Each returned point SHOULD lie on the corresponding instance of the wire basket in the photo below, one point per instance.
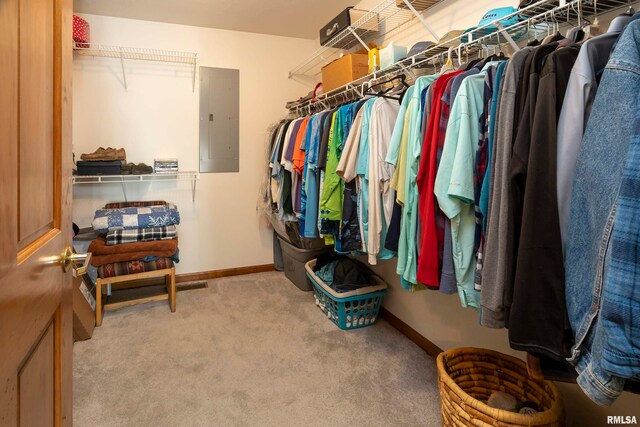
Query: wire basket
(468, 376)
(349, 310)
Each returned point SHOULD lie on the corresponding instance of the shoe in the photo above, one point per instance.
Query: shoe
(121, 154)
(141, 169)
(101, 154)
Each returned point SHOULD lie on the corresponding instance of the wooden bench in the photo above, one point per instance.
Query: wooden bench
(102, 305)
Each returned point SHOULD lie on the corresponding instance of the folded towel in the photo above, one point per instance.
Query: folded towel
(135, 217)
(118, 237)
(104, 254)
(99, 246)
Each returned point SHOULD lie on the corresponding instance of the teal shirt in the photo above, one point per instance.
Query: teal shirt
(362, 167)
(396, 136)
(407, 245)
(454, 185)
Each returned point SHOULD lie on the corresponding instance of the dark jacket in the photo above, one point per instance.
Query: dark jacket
(538, 320)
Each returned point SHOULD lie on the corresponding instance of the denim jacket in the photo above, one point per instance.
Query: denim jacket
(599, 174)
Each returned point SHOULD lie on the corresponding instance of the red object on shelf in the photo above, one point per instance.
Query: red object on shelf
(80, 32)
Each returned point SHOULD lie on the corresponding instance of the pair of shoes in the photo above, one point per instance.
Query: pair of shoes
(105, 154)
(139, 169)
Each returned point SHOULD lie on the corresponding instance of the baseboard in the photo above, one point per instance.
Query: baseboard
(227, 272)
(406, 330)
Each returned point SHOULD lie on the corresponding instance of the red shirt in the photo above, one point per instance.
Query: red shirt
(431, 236)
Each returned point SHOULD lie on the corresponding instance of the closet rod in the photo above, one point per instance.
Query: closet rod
(473, 42)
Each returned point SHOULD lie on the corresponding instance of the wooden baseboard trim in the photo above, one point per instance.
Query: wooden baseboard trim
(227, 272)
(406, 330)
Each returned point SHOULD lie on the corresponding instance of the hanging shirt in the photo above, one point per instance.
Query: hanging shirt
(298, 167)
(576, 109)
(493, 119)
(480, 166)
(396, 138)
(539, 279)
(381, 199)
(407, 250)
(454, 186)
(311, 179)
(331, 197)
(497, 250)
(431, 235)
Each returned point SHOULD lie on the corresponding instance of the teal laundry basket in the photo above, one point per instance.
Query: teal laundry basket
(348, 310)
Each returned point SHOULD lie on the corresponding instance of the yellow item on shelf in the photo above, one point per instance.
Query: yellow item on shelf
(374, 60)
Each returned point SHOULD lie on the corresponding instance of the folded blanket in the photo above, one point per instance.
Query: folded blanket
(99, 246)
(104, 254)
(117, 237)
(140, 204)
(133, 267)
(135, 217)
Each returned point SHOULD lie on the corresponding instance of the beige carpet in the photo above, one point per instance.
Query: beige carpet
(249, 351)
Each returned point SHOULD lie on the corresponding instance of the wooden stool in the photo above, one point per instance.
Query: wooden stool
(170, 282)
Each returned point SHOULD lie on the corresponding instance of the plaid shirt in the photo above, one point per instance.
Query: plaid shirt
(117, 237)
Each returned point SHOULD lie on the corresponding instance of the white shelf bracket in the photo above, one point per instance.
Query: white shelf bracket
(124, 189)
(507, 36)
(195, 63)
(124, 75)
(355, 34)
(419, 16)
(194, 180)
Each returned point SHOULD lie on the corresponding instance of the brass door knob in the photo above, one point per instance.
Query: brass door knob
(77, 263)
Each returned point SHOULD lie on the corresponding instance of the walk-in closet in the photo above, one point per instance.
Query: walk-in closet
(320, 213)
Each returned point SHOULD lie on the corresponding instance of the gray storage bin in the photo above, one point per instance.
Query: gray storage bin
(294, 261)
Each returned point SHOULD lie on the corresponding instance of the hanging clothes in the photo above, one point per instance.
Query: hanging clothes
(599, 172)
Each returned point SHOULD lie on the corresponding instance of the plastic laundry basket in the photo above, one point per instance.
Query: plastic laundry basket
(348, 310)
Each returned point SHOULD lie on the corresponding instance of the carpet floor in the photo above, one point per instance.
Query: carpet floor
(249, 351)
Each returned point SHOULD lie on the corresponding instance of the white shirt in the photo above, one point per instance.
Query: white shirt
(381, 200)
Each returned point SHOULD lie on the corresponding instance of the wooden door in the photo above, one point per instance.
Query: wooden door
(35, 207)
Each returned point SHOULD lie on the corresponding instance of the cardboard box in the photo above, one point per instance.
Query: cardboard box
(84, 318)
(344, 70)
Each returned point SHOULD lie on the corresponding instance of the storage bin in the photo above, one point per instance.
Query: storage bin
(294, 262)
(345, 19)
(112, 167)
(348, 310)
(391, 54)
(468, 376)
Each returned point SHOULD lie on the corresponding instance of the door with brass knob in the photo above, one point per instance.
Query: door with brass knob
(35, 213)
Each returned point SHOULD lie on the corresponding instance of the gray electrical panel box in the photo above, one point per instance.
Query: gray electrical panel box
(219, 120)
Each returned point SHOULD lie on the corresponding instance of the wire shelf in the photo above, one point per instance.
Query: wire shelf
(140, 54)
(383, 20)
(105, 179)
(151, 177)
(135, 53)
(534, 21)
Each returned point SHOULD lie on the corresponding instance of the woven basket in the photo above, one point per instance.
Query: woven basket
(468, 376)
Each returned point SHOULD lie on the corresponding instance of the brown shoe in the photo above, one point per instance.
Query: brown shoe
(101, 154)
(121, 154)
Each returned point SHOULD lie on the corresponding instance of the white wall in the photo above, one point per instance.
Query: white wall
(158, 117)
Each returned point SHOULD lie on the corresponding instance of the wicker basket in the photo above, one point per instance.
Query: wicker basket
(468, 376)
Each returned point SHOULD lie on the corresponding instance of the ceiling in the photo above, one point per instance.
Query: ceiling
(291, 18)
